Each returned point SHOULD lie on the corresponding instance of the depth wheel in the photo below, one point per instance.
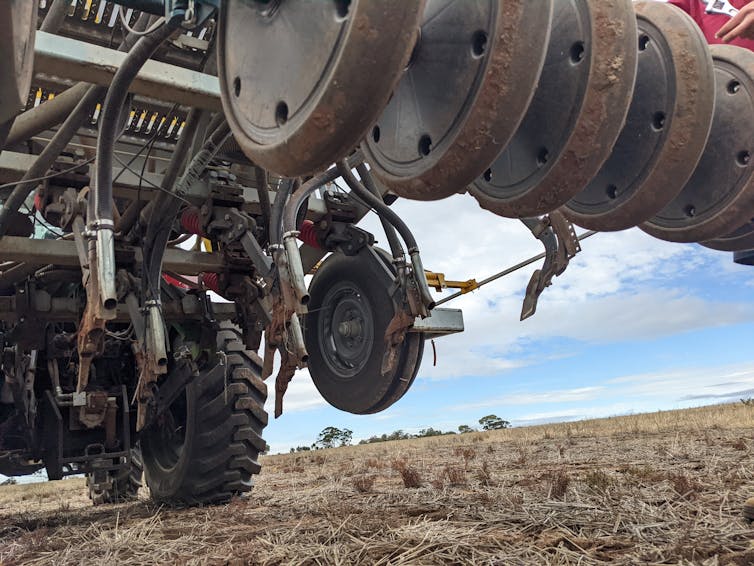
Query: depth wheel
(719, 197)
(206, 447)
(302, 82)
(576, 115)
(349, 312)
(18, 20)
(467, 86)
(666, 129)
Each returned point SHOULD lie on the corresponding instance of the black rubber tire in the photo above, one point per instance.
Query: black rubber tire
(222, 441)
(367, 391)
(125, 485)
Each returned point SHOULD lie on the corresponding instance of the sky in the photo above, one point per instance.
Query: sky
(633, 325)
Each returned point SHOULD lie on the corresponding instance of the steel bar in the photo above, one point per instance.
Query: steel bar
(508, 271)
(63, 253)
(80, 61)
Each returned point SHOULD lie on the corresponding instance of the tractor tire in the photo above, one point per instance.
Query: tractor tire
(124, 485)
(207, 449)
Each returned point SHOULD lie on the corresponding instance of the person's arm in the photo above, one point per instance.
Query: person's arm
(740, 26)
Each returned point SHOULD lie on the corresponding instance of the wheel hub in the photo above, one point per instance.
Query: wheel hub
(346, 330)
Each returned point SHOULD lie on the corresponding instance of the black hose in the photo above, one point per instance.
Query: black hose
(265, 208)
(300, 195)
(116, 97)
(379, 206)
(276, 214)
(55, 16)
(392, 238)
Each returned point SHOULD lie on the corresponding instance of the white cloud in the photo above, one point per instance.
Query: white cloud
(532, 398)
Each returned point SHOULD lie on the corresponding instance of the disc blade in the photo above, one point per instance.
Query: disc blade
(302, 82)
(576, 115)
(666, 129)
(719, 197)
(469, 81)
(740, 239)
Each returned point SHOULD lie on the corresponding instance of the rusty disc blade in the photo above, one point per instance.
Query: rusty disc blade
(740, 239)
(666, 129)
(576, 115)
(469, 81)
(719, 197)
(17, 28)
(302, 82)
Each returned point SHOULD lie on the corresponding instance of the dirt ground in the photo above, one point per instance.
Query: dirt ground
(662, 488)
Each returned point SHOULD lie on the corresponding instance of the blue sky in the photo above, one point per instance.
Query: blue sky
(635, 324)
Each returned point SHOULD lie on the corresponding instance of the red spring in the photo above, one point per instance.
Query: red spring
(174, 282)
(211, 281)
(39, 201)
(191, 222)
(308, 234)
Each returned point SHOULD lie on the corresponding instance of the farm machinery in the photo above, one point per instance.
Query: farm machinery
(182, 182)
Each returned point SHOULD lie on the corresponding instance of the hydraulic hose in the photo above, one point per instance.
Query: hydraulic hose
(265, 207)
(384, 211)
(302, 193)
(102, 222)
(278, 206)
(116, 97)
(392, 238)
(55, 16)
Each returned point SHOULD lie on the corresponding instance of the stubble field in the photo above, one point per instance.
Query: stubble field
(661, 488)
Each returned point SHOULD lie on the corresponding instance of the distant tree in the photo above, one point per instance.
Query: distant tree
(429, 432)
(463, 429)
(332, 436)
(493, 422)
(345, 437)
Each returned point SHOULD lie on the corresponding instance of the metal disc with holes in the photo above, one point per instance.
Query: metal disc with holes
(719, 197)
(576, 115)
(468, 83)
(302, 82)
(349, 312)
(739, 240)
(666, 129)
(17, 28)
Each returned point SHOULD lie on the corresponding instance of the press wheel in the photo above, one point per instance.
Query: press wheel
(719, 197)
(17, 28)
(469, 81)
(302, 82)
(349, 312)
(666, 129)
(576, 115)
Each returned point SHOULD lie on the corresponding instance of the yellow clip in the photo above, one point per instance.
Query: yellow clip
(438, 282)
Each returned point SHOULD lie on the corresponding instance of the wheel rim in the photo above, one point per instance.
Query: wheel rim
(346, 330)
